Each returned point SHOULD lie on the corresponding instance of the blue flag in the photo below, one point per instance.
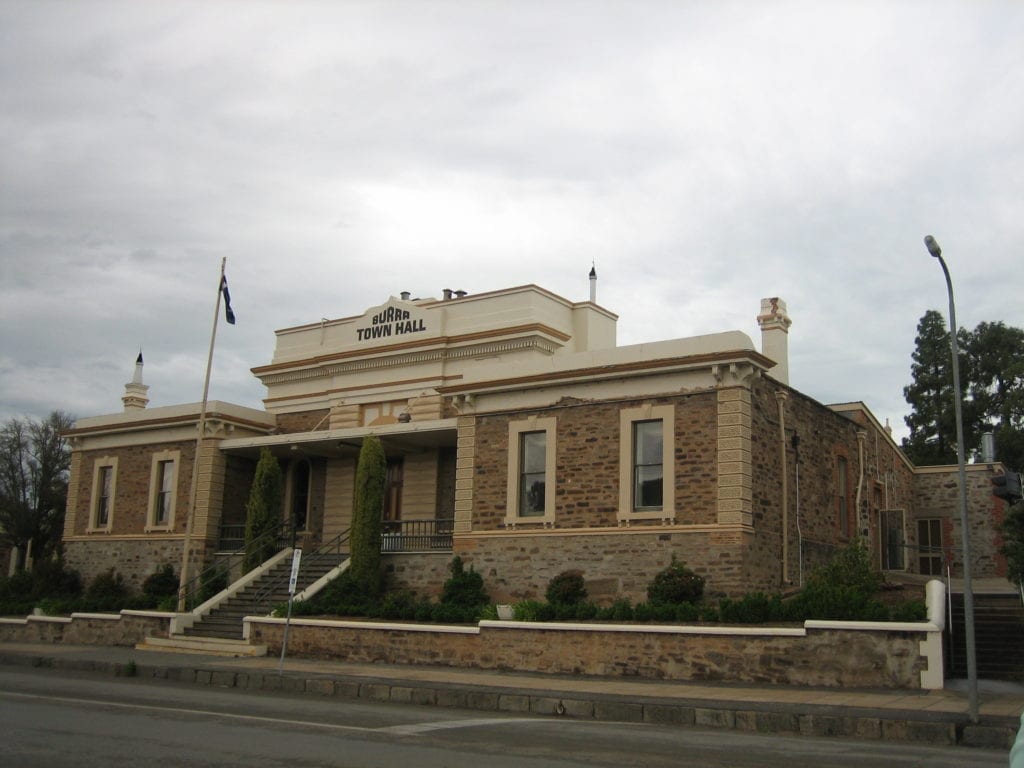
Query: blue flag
(228, 312)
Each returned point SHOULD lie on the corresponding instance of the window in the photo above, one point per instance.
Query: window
(646, 463)
(648, 468)
(532, 474)
(929, 547)
(163, 490)
(892, 543)
(842, 496)
(531, 471)
(104, 487)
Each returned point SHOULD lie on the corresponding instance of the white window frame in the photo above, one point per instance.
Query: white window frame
(174, 458)
(627, 418)
(97, 472)
(515, 430)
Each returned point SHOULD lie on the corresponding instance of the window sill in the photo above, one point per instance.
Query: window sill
(664, 516)
(544, 521)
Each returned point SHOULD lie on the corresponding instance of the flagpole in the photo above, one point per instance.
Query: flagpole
(189, 520)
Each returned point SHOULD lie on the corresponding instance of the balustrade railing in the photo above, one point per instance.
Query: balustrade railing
(416, 535)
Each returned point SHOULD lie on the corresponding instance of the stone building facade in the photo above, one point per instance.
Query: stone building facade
(522, 438)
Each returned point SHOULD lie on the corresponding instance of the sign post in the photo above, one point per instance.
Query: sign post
(292, 581)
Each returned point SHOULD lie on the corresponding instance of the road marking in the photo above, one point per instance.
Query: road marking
(182, 710)
(412, 729)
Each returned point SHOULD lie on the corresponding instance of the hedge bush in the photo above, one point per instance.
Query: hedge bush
(567, 589)
(676, 584)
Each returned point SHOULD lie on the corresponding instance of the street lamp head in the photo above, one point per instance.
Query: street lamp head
(932, 246)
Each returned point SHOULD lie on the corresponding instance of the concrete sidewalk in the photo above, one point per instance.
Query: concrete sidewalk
(935, 717)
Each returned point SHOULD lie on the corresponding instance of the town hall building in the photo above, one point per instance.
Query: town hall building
(520, 436)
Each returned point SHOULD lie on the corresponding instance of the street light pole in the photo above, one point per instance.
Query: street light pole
(972, 662)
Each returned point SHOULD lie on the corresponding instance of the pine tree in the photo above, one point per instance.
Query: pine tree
(263, 510)
(366, 515)
(932, 422)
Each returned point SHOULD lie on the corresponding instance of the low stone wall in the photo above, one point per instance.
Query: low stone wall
(126, 628)
(825, 653)
(884, 656)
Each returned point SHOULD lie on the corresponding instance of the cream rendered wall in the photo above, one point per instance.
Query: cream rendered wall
(419, 489)
(338, 494)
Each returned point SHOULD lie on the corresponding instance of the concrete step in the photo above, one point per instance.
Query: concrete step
(204, 645)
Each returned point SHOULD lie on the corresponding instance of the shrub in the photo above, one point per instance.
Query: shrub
(399, 605)
(528, 610)
(843, 589)
(850, 567)
(567, 588)
(464, 588)
(345, 596)
(50, 578)
(676, 584)
(620, 610)
(107, 591)
(161, 584)
(752, 608)
(910, 610)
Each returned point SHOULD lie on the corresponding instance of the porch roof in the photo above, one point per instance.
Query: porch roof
(410, 437)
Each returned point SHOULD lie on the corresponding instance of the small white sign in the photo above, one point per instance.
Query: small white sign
(296, 557)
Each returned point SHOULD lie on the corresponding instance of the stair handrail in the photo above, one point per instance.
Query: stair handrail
(261, 598)
(192, 589)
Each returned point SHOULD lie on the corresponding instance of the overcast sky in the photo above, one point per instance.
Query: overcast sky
(702, 154)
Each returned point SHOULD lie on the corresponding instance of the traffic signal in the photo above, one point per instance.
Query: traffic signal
(1007, 486)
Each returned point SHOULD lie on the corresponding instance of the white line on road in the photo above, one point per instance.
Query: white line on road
(416, 728)
(412, 729)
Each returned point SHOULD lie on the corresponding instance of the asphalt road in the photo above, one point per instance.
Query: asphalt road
(55, 719)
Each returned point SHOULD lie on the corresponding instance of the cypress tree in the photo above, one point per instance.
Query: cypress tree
(366, 515)
(263, 510)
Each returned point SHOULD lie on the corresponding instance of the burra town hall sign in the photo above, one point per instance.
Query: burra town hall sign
(390, 322)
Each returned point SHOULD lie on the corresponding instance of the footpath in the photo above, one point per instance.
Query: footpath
(933, 717)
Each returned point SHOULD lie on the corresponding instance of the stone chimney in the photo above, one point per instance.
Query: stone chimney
(134, 397)
(775, 324)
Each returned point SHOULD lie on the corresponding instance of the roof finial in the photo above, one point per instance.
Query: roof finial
(134, 397)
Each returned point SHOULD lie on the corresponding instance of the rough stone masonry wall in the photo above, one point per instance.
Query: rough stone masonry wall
(135, 558)
(615, 563)
(938, 495)
(587, 462)
(125, 629)
(880, 659)
(132, 486)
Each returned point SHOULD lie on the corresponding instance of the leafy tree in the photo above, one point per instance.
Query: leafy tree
(263, 510)
(995, 355)
(1013, 542)
(366, 515)
(34, 464)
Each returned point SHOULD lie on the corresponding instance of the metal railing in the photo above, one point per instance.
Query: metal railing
(232, 537)
(416, 535)
(217, 576)
(329, 553)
